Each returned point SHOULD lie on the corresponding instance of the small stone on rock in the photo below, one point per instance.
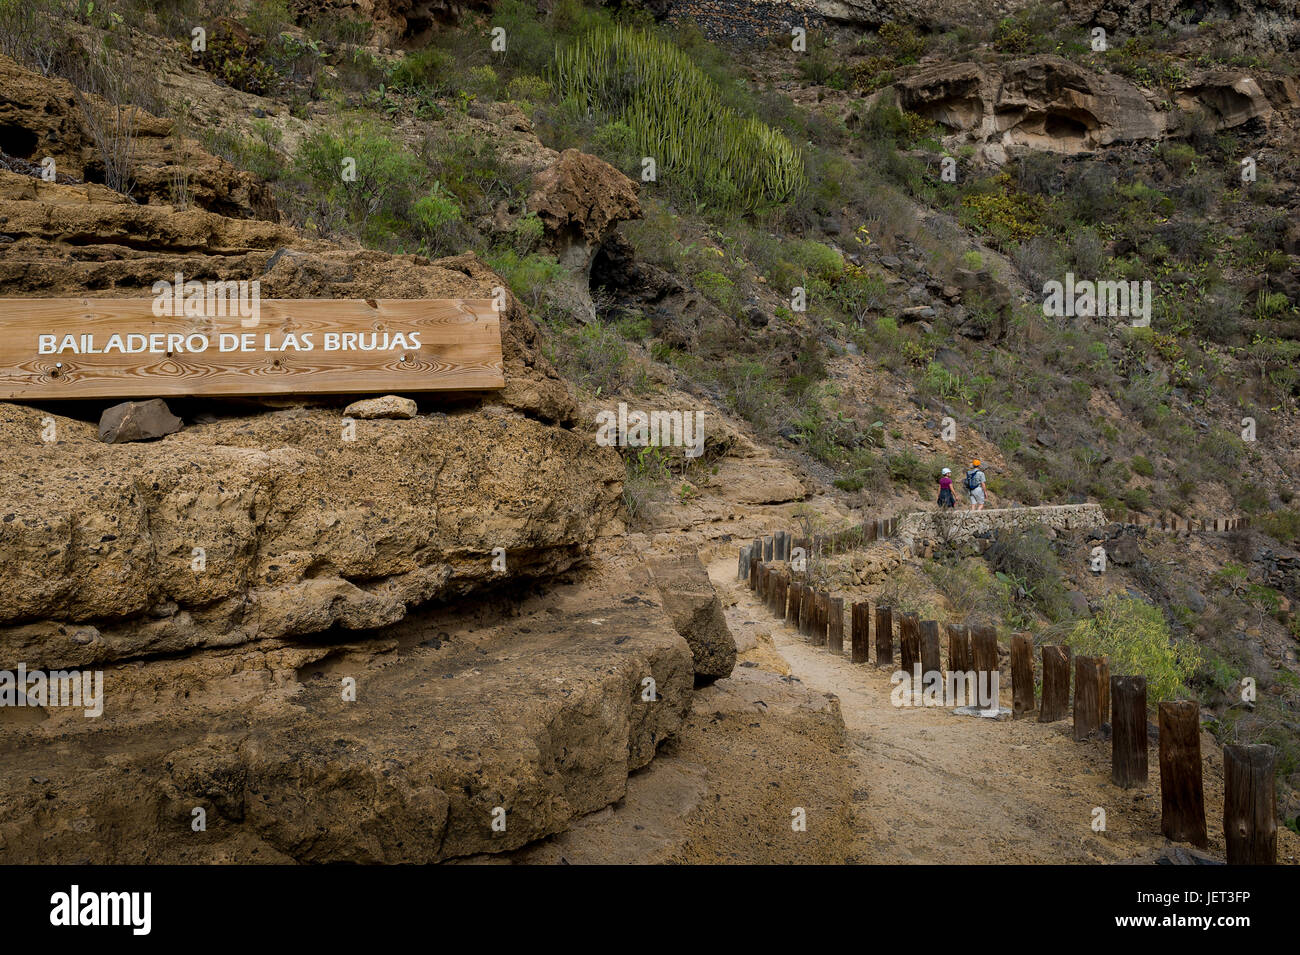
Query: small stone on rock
(389, 406)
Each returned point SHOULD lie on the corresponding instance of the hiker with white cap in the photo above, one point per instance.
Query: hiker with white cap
(976, 486)
(945, 489)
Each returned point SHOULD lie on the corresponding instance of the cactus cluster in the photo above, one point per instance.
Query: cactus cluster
(720, 158)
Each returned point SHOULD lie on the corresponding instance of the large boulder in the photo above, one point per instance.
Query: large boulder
(692, 604)
(580, 199)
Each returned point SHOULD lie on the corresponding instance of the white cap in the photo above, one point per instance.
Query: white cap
(947, 470)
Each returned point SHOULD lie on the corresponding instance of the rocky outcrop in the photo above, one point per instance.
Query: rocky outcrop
(580, 199)
(692, 604)
(46, 116)
(1042, 103)
(1048, 103)
(273, 526)
(403, 747)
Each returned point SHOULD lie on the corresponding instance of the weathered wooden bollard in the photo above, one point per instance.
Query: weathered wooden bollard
(807, 603)
(1249, 805)
(779, 592)
(835, 630)
(959, 653)
(909, 642)
(929, 638)
(984, 656)
(742, 564)
(767, 550)
(1056, 684)
(1182, 792)
(820, 615)
(1087, 696)
(860, 632)
(1103, 693)
(1022, 674)
(1128, 725)
(884, 636)
(792, 606)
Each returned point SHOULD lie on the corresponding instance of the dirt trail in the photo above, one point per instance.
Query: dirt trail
(933, 787)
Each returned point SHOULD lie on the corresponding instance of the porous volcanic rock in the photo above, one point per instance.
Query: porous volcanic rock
(580, 199)
(388, 406)
(535, 707)
(692, 604)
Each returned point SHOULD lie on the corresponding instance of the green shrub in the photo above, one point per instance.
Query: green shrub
(705, 148)
(439, 217)
(530, 277)
(430, 67)
(1135, 638)
(374, 206)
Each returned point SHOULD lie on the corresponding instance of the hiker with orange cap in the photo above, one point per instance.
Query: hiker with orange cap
(976, 486)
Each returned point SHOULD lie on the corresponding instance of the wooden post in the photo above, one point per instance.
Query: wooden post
(820, 613)
(984, 651)
(1022, 673)
(1103, 689)
(1056, 684)
(807, 600)
(792, 607)
(909, 642)
(1128, 723)
(860, 631)
(1249, 805)
(1087, 697)
(959, 648)
(742, 565)
(1182, 792)
(780, 591)
(755, 559)
(930, 650)
(835, 632)
(884, 636)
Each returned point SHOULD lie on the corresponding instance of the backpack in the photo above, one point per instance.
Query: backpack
(971, 482)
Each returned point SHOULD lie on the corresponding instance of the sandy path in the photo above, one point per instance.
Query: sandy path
(932, 787)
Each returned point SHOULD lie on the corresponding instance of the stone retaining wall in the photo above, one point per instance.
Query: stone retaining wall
(958, 525)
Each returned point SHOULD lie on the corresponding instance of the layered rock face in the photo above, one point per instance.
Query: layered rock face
(45, 117)
(1048, 103)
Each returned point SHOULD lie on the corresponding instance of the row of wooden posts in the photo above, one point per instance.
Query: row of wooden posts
(1188, 525)
(782, 545)
(1249, 809)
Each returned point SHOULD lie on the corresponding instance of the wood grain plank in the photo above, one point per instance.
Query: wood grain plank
(459, 349)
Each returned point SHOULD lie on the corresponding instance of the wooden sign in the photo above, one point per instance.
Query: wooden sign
(123, 348)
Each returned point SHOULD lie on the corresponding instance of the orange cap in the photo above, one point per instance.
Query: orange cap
(975, 463)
